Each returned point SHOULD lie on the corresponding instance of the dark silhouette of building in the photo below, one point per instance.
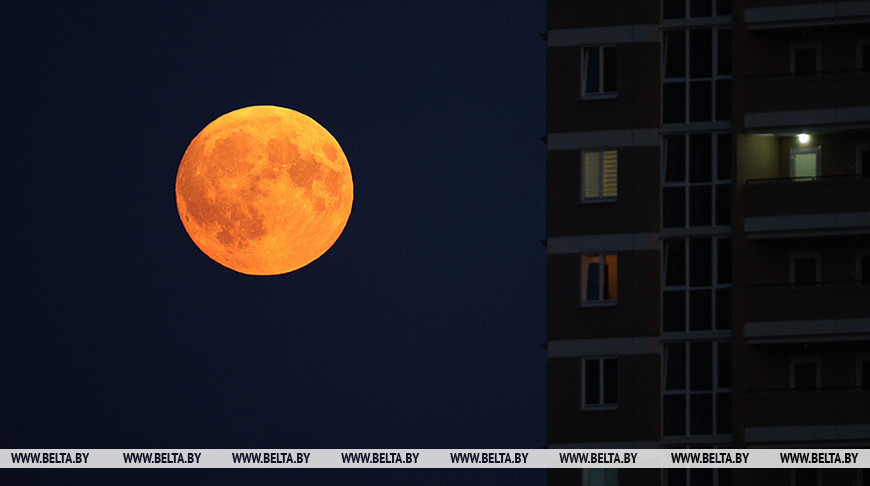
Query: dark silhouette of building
(708, 231)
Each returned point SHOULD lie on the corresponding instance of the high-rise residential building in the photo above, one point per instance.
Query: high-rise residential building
(708, 231)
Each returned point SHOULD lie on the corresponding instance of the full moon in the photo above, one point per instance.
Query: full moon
(264, 190)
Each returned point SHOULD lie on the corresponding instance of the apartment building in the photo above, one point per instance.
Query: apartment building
(708, 231)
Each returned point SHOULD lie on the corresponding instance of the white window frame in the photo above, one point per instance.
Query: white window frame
(584, 62)
(584, 279)
(805, 150)
(601, 405)
(805, 45)
(607, 471)
(804, 360)
(584, 199)
(801, 255)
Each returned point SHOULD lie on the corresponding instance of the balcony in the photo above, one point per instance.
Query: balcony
(779, 14)
(787, 313)
(823, 206)
(788, 102)
(836, 414)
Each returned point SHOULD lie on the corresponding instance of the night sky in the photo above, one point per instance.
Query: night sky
(420, 328)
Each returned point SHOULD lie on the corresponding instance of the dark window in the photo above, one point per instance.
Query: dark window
(723, 260)
(674, 9)
(674, 110)
(674, 210)
(701, 366)
(675, 53)
(675, 262)
(805, 477)
(676, 477)
(675, 158)
(805, 378)
(723, 157)
(700, 157)
(700, 268)
(865, 58)
(804, 270)
(599, 70)
(723, 308)
(701, 414)
(865, 375)
(805, 60)
(701, 477)
(723, 413)
(675, 415)
(674, 310)
(609, 66)
(675, 366)
(701, 205)
(865, 269)
(700, 101)
(600, 382)
(723, 204)
(701, 8)
(723, 99)
(723, 7)
(724, 365)
(865, 159)
(724, 62)
(700, 53)
(701, 309)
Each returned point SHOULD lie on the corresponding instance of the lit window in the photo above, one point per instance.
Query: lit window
(599, 383)
(599, 72)
(601, 477)
(599, 283)
(599, 175)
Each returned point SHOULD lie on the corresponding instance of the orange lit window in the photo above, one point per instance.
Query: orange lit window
(599, 282)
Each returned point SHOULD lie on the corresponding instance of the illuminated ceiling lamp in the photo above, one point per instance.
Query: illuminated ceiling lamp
(803, 138)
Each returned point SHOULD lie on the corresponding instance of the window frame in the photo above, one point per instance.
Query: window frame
(584, 280)
(815, 360)
(584, 199)
(795, 46)
(602, 405)
(584, 72)
(801, 255)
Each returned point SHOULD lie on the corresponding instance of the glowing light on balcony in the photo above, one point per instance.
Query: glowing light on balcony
(803, 138)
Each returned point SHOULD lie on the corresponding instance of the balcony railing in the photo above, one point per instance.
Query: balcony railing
(825, 205)
(825, 406)
(823, 91)
(795, 302)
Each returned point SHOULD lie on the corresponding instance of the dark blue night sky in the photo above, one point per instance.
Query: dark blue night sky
(421, 328)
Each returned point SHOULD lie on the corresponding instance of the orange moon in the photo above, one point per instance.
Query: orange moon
(264, 190)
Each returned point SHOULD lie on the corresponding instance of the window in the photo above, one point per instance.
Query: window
(805, 59)
(863, 373)
(805, 374)
(696, 73)
(804, 269)
(697, 284)
(806, 477)
(677, 9)
(599, 176)
(599, 72)
(696, 190)
(599, 383)
(601, 477)
(863, 61)
(696, 477)
(599, 282)
(804, 163)
(697, 388)
(862, 272)
(862, 162)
